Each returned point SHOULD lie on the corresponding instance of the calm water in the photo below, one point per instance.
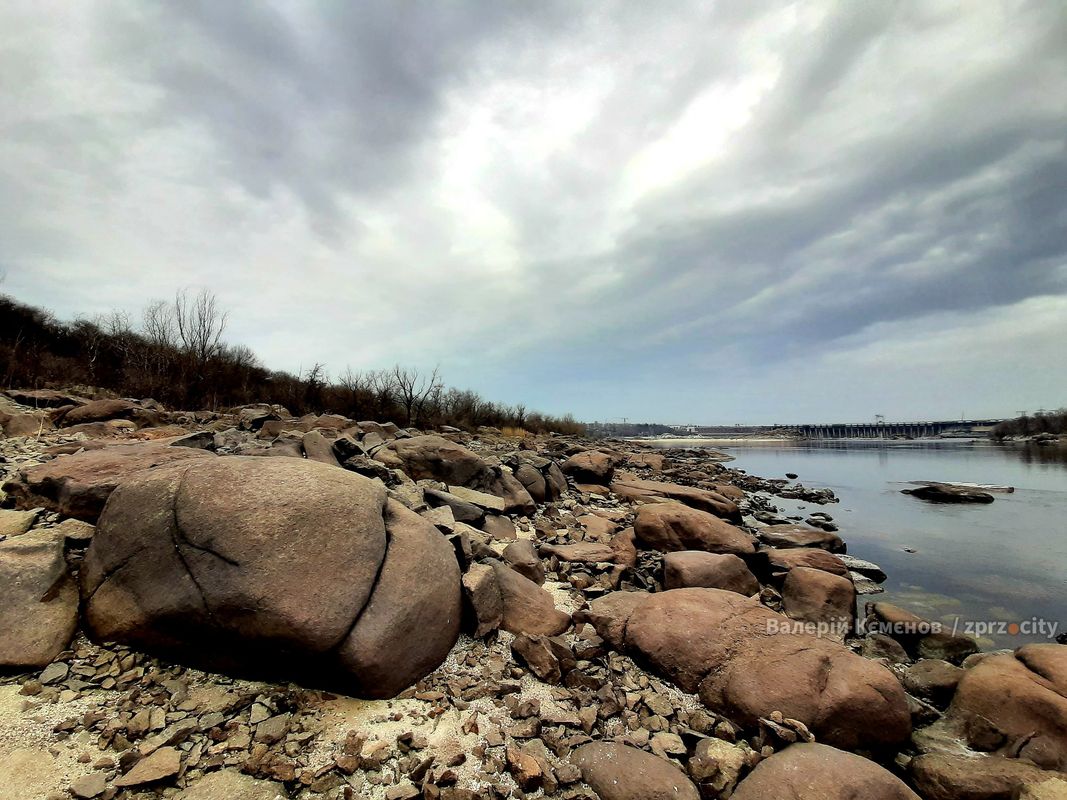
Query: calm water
(1002, 562)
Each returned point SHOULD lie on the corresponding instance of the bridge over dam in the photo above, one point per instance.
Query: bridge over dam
(892, 430)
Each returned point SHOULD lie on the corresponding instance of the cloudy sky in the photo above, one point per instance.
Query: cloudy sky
(687, 212)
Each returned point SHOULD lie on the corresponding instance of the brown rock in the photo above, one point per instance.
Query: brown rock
(1016, 704)
(413, 617)
(524, 768)
(644, 491)
(104, 410)
(208, 562)
(624, 543)
(781, 561)
(318, 448)
(746, 663)
(619, 772)
(818, 772)
(25, 424)
(78, 485)
(609, 615)
(483, 599)
(692, 568)
(89, 786)
(522, 556)
(933, 680)
(548, 658)
(812, 595)
(946, 493)
(590, 466)
(16, 523)
(229, 784)
(940, 776)
(38, 600)
(161, 764)
(437, 458)
(527, 607)
(920, 637)
(582, 552)
(672, 526)
(45, 398)
(787, 536)
(499, 527)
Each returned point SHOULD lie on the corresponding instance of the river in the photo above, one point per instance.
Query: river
(996, 564)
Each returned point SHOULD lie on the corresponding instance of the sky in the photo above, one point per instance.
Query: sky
(684, 212)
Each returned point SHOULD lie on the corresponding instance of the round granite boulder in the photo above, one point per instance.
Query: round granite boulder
(273, 566)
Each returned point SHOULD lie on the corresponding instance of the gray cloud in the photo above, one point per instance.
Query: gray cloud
(614, 209)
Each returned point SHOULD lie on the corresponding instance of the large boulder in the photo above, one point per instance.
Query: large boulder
(921, 638)
(590, 466)
(747, 662)
(273, 566)
(45, 398)
(541, 476)
(38, 600)
(434, 457)
(787, 536)
(25, 424)
(695, 569)
(527, 608)
(620, 772)
(818, 772)
(639, 490)
(440, 459)
(813, 595)
(104, 410)
(944, 776)
(78, 485)
(672, 526)
(778, 562)
(1016, 704)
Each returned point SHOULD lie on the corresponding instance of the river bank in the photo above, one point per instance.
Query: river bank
(568, 617)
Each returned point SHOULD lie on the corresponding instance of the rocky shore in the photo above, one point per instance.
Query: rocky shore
(246, 605)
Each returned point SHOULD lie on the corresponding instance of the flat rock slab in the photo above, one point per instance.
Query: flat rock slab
(38, 600)
(161, 764)
(79, 485)
(489, 502)
(787, 536)
(16, 523)
(639, 490)
(229, 784)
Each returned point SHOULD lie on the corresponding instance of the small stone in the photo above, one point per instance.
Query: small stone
(54, 673)
(404, 791)
(273, 730)
(163, 763)
(524, 769)
(88, 786)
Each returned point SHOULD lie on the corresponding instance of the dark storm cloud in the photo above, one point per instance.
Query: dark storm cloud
(325, 101)
(617, 208)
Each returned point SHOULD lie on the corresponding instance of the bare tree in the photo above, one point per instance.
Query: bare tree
(200, 323)
(414, 389)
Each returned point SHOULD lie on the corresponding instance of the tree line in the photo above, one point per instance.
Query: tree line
(1033, 424)
(175, 353)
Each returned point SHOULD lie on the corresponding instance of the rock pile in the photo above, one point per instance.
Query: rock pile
(535, 617)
